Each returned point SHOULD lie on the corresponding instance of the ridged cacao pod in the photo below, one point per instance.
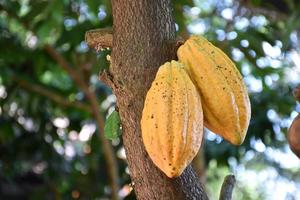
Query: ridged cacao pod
(224, 97)
(172, 119)
(294, 136)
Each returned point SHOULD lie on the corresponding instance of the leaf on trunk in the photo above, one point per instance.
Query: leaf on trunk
(112, 126)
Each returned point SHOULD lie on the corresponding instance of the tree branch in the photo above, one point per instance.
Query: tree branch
(91, 96)
(107, 148)
(107, 78)
(99, 38)
(51, 95)
(245, 8)
(65, 65)
(227, 188)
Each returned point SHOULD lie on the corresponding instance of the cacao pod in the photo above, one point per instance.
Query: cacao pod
(172, 120)
(296, 93)
(294, 136)
(224, 97)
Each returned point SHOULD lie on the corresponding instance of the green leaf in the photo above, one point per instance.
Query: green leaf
(112, 126)
(93, 6)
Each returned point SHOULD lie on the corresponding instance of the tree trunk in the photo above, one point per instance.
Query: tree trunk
(143, 39)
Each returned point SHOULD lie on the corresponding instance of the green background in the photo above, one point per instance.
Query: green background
(49, 144)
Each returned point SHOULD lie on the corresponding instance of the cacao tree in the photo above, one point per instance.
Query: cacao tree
(53, 106)
(143, 39)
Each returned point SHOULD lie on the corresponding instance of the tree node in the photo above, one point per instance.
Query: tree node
(107, 78)
(99, 38)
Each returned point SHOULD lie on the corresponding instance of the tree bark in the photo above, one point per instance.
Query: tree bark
(143, 39)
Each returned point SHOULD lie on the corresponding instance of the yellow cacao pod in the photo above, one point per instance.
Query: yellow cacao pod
(224, 96)
(172, 120)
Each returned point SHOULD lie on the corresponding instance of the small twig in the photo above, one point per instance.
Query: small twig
(107, 78)
(227, 188)
(99, 38)
(296, 93)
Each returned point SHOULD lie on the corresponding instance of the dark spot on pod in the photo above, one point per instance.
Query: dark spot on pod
(223, 88)
(152, 116)
(212, 52)
(174, 168)
(165, 159)
(156, 83)
(156, 126)
(170, 164)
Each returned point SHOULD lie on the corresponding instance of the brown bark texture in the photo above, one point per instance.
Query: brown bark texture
(144, 39)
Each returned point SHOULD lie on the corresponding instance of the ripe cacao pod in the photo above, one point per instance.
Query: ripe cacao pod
(224, 96)
(172, 120)
(294, 136)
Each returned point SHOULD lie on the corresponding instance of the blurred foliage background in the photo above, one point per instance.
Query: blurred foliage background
(53, 107)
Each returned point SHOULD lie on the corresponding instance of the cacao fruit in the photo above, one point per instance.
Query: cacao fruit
(294, 136)
(224, 96)
(172, 120)
(296, 93)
